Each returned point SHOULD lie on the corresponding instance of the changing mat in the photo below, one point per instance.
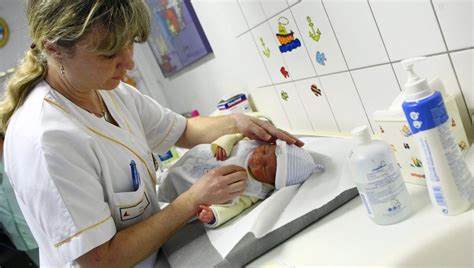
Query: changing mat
(271, 221)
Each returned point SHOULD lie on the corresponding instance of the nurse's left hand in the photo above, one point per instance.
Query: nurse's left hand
(257, 129)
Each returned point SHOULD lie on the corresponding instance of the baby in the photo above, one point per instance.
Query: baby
(269, 166)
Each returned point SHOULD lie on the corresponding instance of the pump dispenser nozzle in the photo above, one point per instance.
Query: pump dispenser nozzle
(415, 87)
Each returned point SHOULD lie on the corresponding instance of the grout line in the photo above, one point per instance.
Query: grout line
(314, 69)
(369, 66)
(266, 19)
(450, 60)
(384, 46)
(347, 66)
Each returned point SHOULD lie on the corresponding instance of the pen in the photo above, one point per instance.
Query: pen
(135, 175)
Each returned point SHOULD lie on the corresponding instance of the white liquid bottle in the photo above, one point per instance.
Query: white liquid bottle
(378, 179)
(449, 181)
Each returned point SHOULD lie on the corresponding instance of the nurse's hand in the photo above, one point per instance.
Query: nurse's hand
(219, 185)
(257, 129)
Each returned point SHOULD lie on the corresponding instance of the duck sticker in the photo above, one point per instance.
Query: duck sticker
(266, 50)
(321, 58)
(315, 35)
(287, 40)
(316, 91)
(284, 95)
(284, 72)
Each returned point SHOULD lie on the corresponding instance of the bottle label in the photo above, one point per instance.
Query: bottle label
(451, 159)
(425, 114)
(383, 193)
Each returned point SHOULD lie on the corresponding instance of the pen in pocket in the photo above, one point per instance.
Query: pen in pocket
(135, 175)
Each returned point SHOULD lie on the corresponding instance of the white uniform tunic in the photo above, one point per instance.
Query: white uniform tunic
(71, 170)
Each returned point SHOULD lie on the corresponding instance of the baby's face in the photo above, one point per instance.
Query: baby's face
(262, 163)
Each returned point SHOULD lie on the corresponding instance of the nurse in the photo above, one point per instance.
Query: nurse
(79, 142)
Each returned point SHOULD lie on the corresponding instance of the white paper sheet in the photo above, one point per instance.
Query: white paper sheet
(292, 202)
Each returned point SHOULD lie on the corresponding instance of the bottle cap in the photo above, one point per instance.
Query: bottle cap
(361, 134)
(194, 113)
(415, 87)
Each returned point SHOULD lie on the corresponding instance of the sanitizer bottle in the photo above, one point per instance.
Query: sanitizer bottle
(449, 181)
(378, 179)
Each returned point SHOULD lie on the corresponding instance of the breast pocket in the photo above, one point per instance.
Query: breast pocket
(131, 207)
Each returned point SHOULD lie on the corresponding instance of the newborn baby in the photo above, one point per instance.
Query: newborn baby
(296, 165)
(269, 166)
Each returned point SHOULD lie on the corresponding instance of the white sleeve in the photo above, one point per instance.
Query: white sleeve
(68, 207)
(162, 126)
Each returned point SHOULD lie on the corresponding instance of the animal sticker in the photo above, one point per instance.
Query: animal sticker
(284, 95)
(284, 72)
(315, 35)
(266, 50)
(321, 58)
(316, 91)
(405, 131)
(287, 40)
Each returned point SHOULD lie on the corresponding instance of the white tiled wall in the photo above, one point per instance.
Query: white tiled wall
(363, 43)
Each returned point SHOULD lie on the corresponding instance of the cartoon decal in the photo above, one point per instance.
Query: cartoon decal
(287, 40)
(381, 129)
(314, 35)
(321, 58)
(266, 50)
(405, 131)
(392, 147)
(284, 95)
(316, 91)
(453, 123)
(284, 72)
(415, 162)
(406, 146)
(462, 145)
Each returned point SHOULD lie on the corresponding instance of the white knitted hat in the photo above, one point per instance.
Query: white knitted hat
(294, 165)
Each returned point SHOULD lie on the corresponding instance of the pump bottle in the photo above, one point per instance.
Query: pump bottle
(449, 181)
(378, 179)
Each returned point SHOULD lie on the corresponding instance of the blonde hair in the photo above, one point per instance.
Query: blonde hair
(63, 23)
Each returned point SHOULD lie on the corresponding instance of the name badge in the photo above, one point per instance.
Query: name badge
(128, 213)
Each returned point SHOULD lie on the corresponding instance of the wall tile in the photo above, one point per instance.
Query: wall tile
(456, 20)
(326, 44)
(430, 68)
(463, 61)
(252, 11)
(344, 100)
(274, 60)
(273, 7)
(377, 87)
(316, 104)
(408, 28)
(296, 59)
(294, 109)
(268, 103)
(357, 33)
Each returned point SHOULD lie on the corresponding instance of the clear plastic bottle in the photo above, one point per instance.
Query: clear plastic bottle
(449, 181)
(378, 179)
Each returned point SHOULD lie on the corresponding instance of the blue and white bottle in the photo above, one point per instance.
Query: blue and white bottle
(449, 181)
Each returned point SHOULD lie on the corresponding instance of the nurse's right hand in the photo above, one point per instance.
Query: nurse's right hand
(219, 185)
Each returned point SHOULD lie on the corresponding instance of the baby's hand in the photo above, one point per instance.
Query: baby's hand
(205, 215)
(220, 154)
